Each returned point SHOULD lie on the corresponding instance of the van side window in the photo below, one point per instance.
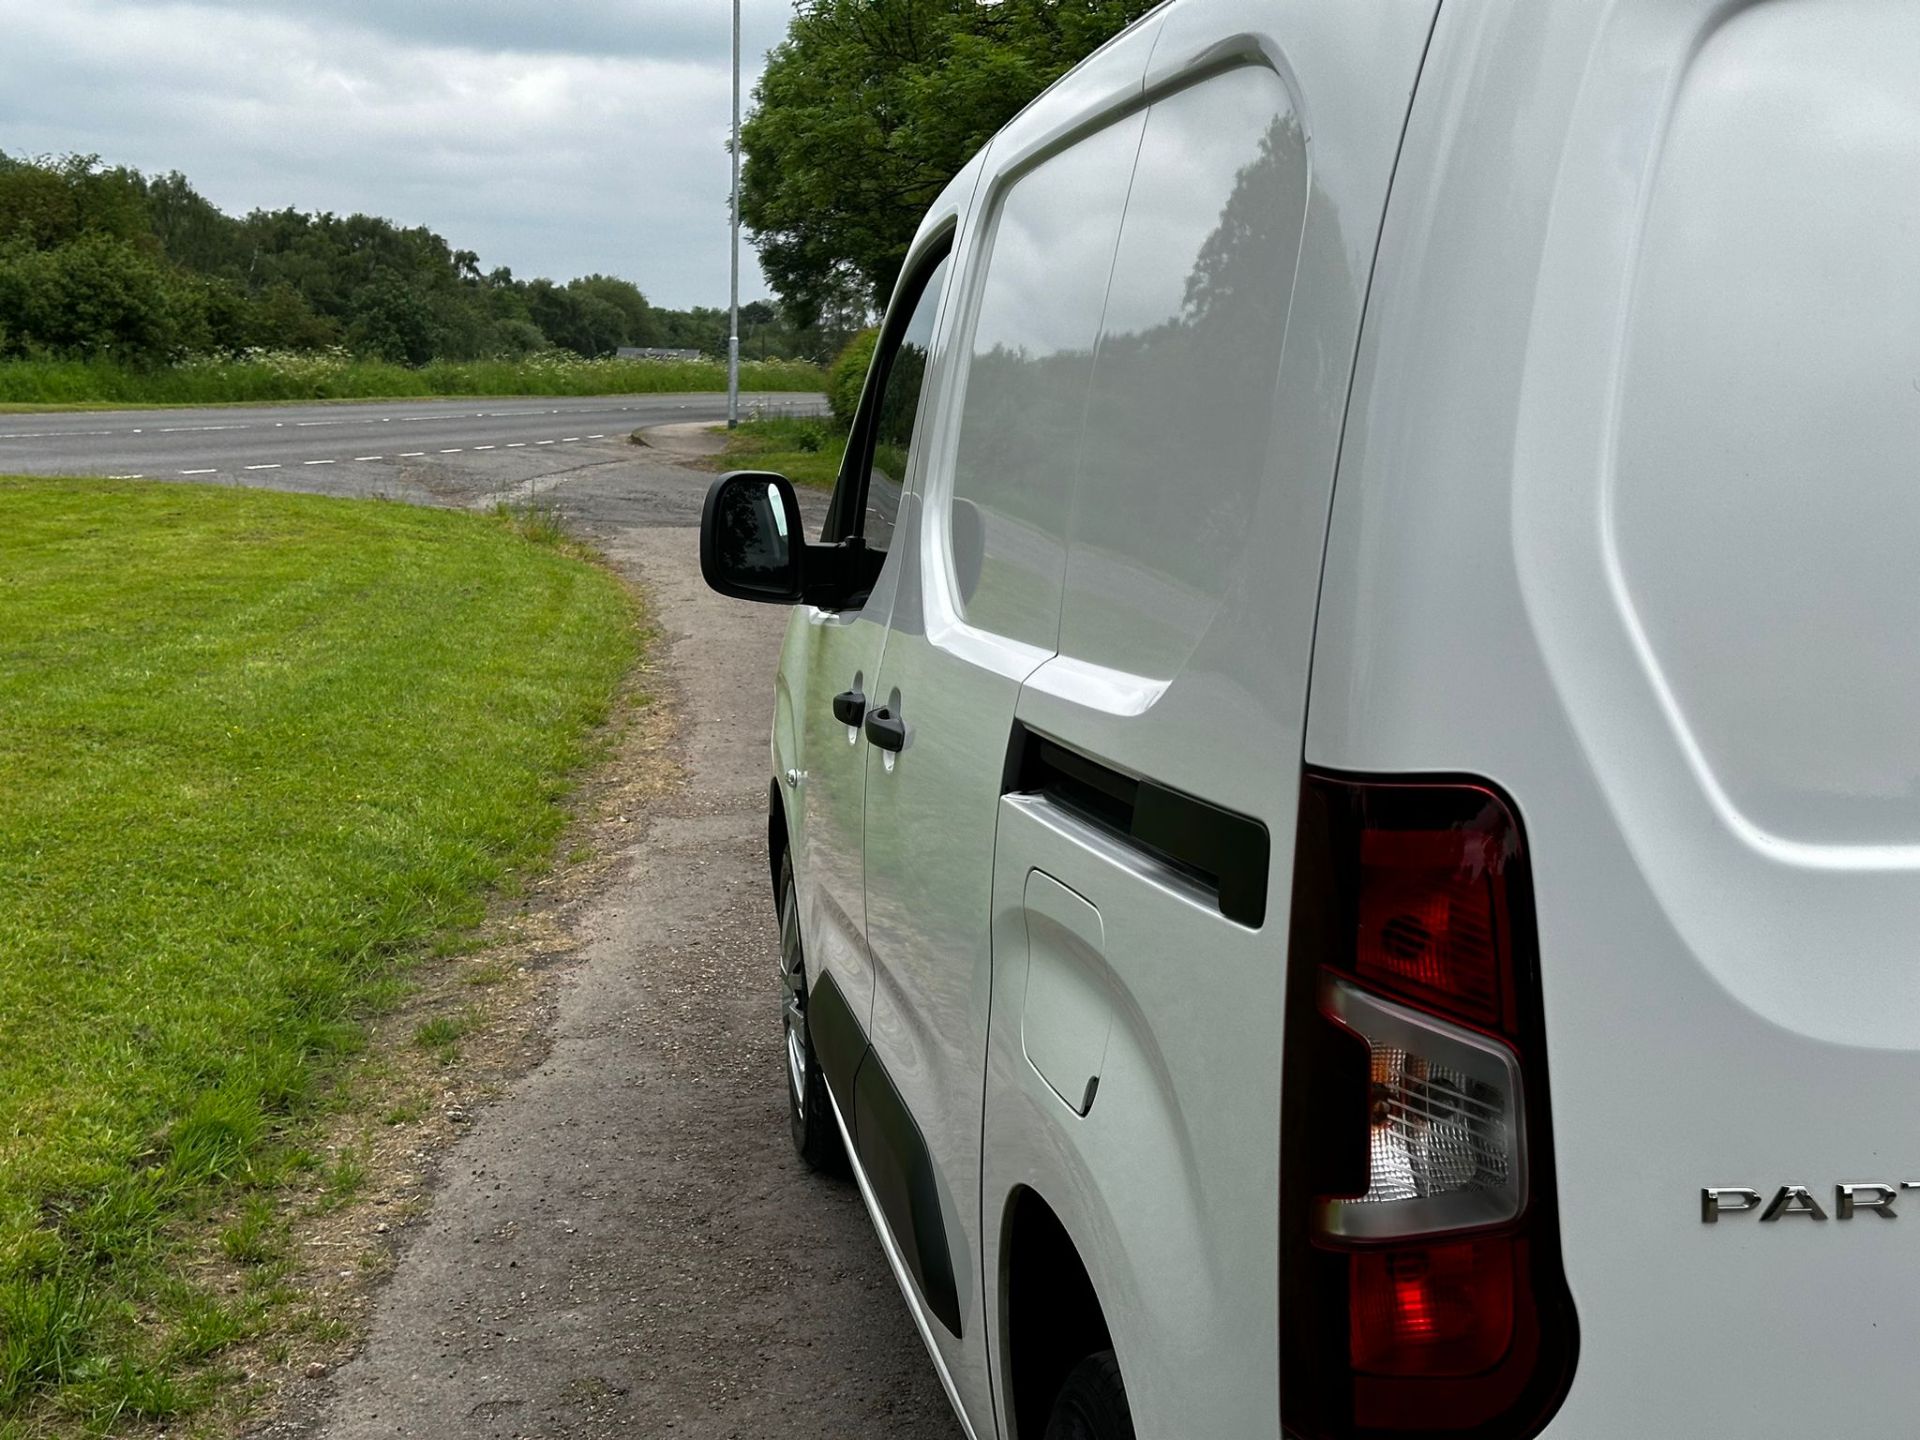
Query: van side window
(1181, 443)
(902, 374)
(1029, 363)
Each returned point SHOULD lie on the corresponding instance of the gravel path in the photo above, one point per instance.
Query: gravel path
(625, 1243)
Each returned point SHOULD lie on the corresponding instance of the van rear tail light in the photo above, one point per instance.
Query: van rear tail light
(1421, 1286)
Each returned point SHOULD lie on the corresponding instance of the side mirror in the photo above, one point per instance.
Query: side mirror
(751, 541)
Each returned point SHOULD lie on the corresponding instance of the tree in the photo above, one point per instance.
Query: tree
(103, 261)
(637, 325)
(869, 107)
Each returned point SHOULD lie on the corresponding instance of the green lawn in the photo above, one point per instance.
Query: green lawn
(807, 452)
(257, 752)
(87, 384)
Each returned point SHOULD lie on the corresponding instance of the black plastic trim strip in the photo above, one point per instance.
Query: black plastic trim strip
(838, 1041)
(1226, 852)
(893, 1152)
(900, 1173)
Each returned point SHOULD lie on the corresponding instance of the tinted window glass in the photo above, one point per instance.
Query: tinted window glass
(1031, 357)
(899, 410)
(1180, 417)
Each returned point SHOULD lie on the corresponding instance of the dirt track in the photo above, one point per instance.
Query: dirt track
(624, 1243)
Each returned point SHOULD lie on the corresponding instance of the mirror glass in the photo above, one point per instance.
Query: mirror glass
(779, 510)
(751, 536)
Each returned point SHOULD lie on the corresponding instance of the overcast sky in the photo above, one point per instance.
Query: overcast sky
(557, 137)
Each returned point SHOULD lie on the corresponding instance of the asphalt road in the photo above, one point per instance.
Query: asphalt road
(623, 1243)
(250, 443)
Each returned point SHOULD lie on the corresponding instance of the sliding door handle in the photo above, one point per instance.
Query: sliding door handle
(849, 706)
(886, 729)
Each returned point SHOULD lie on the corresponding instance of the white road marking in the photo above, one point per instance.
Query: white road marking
(516, 444)
(486, 447)
(543, 442)
(411, 454)
(316, 462)
(126, 477)
(454, 451)
(568, 439)
(359, 459)
(193, 429)
(198, 472)
(596, 437)
(263, 467)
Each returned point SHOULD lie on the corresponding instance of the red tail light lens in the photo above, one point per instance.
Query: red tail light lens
(1432, 1309)
(1422, 1291)
(1433, 923)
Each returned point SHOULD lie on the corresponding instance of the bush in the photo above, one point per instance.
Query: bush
(100, 296)
(847, 376)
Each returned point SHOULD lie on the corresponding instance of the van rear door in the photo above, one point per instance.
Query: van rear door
(1626, 524)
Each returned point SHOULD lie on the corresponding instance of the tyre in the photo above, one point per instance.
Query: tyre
(809, 1112)
(1092, 1404)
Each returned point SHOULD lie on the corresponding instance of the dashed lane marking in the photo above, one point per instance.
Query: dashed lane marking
(199, 472)
(361, 459)
(316, 462)
(263, 467)
(454, 450)
(411, 454)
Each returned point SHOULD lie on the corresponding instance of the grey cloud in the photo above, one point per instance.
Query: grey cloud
(545, 158)
(657, 29)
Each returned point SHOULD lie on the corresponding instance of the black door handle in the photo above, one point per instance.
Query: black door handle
(849, 706)
(886, 729)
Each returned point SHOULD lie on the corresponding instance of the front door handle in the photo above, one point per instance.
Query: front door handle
(886, 729)
(849, 706)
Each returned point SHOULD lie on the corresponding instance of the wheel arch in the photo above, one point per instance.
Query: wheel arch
(1051, 1317)
(777, 840)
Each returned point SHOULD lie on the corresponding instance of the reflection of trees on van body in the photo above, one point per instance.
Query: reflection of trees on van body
(1234, 266)
(1181, 410)
(1207, 368)
(1163, 429)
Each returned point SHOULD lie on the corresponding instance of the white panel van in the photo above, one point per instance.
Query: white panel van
(1345, 801)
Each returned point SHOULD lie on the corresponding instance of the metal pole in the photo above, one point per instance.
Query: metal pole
(733, 322)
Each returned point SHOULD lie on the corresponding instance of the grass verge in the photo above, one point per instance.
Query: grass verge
(259, 754)
(289, 377)
(807, 452)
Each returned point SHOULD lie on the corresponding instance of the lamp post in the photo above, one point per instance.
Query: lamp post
(733, 309)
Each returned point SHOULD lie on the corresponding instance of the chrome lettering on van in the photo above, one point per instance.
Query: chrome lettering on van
(1849, 1199)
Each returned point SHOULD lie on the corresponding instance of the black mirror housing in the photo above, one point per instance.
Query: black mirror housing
(752, 545)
